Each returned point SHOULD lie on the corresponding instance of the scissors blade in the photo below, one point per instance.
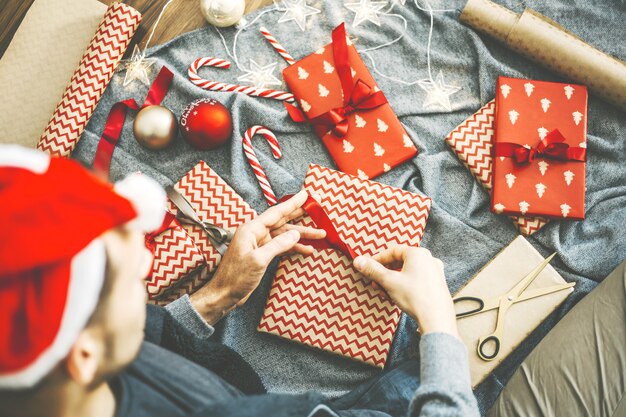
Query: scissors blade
(528, 279)
(493, 303)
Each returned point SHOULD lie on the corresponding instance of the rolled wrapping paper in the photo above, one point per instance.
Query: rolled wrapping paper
(546, 42)
(90, 80)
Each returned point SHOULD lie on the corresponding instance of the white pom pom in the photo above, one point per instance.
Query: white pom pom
(148, 199)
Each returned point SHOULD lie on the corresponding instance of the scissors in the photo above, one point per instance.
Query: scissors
(219, 237)
(503, 303)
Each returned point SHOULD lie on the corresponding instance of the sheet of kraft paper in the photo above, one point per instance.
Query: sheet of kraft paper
(544, 41)
(40, 61)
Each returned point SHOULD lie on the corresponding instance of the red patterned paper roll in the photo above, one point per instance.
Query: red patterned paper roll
(90, 79)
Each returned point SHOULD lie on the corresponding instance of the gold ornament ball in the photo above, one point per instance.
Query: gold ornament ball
(155, 127)
(222, 13)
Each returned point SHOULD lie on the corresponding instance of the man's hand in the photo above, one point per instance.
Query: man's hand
(419, 289)
(253, 247)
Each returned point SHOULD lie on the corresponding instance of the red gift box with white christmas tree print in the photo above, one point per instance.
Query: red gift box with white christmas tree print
(338, 96)
(320, 299)
(540, 149)
(184, 257)
(472, 142)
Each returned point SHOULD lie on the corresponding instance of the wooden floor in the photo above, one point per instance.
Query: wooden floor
(181, 16)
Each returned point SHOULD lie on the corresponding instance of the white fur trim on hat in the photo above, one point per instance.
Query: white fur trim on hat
(148, 199)
(86, 278)
(20, 157)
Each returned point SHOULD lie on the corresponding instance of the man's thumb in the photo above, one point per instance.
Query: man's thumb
(371, 269)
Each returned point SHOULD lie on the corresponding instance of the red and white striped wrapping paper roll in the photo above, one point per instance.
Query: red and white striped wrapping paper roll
(277, 46)
(90, 80)
(254, 161)
(192, 73)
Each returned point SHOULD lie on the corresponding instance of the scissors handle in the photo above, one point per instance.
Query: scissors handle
(482, 342)
(480, 303)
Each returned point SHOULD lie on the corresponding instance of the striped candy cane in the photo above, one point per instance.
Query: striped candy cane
(277, 46)
(192, 73)
(254, 162)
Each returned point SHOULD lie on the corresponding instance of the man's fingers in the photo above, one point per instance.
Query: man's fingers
(279, 245)
(275, 214)
(372, 269)
(391, 255)
(303, 249)
(306, 232)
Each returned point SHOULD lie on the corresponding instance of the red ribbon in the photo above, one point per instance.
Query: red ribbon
(117, 116)
(357, 96)
(169, 222)
(332, 240)
(553, 146)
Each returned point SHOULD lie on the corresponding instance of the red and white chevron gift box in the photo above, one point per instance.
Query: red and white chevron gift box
(321, 300)
(181, 251)
(90, 80)
(472, 142)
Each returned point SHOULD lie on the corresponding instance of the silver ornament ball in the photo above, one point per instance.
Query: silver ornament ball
(223, 13)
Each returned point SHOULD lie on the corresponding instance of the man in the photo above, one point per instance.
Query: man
(72, 310)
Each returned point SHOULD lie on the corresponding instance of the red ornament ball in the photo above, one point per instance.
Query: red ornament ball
(206, 124)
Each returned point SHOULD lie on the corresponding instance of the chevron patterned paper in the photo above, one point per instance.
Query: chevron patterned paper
(188, 286)
(89, 80)
(176, 259)
(321, 300)
(472, 142)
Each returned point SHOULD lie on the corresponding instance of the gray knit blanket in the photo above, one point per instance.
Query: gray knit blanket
(461, 229)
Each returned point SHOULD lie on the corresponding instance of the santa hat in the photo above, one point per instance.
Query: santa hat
(52, 261)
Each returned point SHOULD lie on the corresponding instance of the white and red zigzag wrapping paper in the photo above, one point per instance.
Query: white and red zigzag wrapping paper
(90, 80)
(321, 300)
(176, 262)
(472, 142)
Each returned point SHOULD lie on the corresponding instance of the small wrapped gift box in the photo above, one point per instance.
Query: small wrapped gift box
(472, 142)
(321, 300)
(202, 204)
(540, 149)
(347, 110)
(175, 257)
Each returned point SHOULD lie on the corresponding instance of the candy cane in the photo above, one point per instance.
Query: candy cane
(192, 72)
(277, 46)
(254, 162)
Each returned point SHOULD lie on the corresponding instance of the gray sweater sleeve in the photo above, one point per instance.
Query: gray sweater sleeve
(445, 388)
(183, 312)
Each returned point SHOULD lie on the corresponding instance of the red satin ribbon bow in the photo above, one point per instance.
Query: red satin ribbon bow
(332, 240)
(357, 96)
(553, 146)
(169, 222)
(117, 115)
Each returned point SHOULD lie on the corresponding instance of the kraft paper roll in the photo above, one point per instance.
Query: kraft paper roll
(544, 41)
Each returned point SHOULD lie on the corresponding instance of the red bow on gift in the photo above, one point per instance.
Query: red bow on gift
(169, 222)
(357, 96)
(553, 146)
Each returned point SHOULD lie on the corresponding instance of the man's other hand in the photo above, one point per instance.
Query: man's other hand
(419, 288)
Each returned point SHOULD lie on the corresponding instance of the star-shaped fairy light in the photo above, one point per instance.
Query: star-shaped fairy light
(260, 76)
(296, 10)
(137, 67)
(366, 10)
(437, 92)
